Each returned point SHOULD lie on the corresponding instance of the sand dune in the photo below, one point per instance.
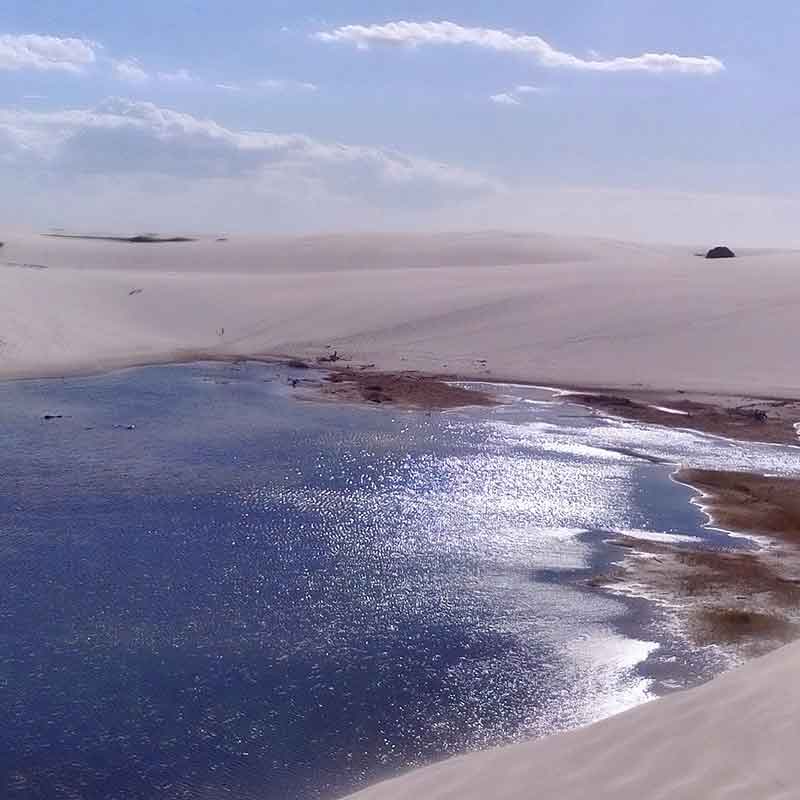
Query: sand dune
(537, 308)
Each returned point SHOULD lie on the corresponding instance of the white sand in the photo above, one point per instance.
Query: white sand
(554, 311)
(537, 308)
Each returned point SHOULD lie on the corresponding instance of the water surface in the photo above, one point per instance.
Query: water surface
(212, 589)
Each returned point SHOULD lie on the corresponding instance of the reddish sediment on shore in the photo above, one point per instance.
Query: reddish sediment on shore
(406, 390)
(746, 600)
(745, 501)
(736, 417)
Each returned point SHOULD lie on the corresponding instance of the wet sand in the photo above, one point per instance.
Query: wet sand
(749, 502)
(406, 390)
(751, 419)
(748, 601)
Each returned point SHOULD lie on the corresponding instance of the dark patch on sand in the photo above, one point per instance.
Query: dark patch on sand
(745, 501)
(406, 390)
(746, 600)
(747, 419)
(145, 238)
(730, 626)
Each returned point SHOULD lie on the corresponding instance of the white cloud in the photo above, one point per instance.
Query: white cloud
(415, 34)
(272, 85)
(31, 51)
(278, 85)
(504, 99)
(130, 70)
(178, 76)
(125, 137)
(514, 96)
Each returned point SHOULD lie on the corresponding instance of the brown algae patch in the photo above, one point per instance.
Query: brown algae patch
(403, 389)
(743, 418)
(745, 501)
(746, 601)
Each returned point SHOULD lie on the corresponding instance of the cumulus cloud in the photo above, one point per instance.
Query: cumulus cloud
(178, 76)
(525, 89)
(514, 96)
(272, 85)
(130, 70)
(504, 99)
(32, 51)
(415, 34)
(125, 137)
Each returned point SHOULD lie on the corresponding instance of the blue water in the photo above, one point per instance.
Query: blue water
(211, 588)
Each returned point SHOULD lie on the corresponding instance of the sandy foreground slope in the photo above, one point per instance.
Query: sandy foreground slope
(538, 308)
(535, 308)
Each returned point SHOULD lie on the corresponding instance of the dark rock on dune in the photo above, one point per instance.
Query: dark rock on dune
(149, 239)
(144, 238)
(720, 252)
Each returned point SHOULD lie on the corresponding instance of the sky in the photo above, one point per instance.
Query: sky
(634, 119)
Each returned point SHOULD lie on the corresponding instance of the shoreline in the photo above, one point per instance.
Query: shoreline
(747, 418)
(727, 499)
(632, 755)
(743, 417)
(744, 601)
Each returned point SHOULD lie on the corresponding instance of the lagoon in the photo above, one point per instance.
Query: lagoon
(212, 587)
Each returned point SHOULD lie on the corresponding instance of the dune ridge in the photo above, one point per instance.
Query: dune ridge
(536, 308)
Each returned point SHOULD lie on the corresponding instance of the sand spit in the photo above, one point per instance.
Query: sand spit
(746, 601)
(732, 416)
(745, 501)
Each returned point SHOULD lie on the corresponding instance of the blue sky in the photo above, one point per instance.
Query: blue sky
(640, 119)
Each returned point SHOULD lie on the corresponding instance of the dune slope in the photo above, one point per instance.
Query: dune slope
(571, 311)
